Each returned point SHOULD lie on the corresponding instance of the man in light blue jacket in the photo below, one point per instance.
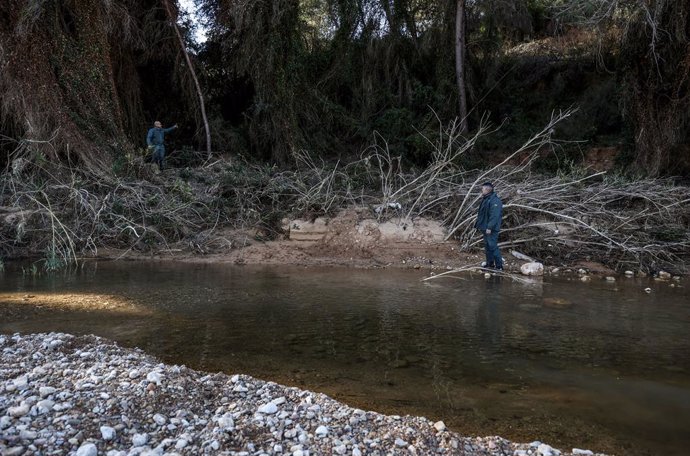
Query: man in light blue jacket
(155, 139)
(489, 224)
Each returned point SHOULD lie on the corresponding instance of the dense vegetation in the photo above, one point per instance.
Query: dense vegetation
(332, 81)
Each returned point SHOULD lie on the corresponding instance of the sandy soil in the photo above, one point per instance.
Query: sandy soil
(353, 238)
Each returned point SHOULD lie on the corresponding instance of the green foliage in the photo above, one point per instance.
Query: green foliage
(53, 261)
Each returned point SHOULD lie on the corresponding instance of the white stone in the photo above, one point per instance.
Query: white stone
(215, 446)
(664, 275)
(277, 448)
(583, 452)
(546, 450)
(340, 449)
(5, 422)
(629, 273)
(107, 433)
(487, 275)
(278, 401)
(400, 443)
(45, 405)
(28, 435)
(647, 290)
(298, 453)
(133, 374)
(610, 279)
(159, 419)
(356, 452)
(87, 449)
(21, 383)
(140, 439)
(440, 426)
(181, 444)
(154, 377)
(19, 411)
(321, 431)
(46, 391)
(532, 269)
(268, 409)
(226, 422)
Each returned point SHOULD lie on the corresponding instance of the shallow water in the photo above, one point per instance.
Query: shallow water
(598, 365)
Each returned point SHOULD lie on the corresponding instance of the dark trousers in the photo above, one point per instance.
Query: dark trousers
(159, 155)
(493, 256)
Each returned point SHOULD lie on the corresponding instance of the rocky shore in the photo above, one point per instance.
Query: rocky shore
(86, 396)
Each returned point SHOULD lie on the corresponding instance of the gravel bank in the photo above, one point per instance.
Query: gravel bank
(85, 396)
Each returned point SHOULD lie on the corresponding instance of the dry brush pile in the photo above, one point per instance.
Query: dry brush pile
(60, 213)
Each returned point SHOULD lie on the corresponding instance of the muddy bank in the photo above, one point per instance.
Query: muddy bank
(352, 238)
(87, 396)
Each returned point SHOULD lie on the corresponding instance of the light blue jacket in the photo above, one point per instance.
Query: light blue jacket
(156, 136)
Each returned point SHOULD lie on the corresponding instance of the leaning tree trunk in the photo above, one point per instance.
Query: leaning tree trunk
(192, 73)
(460, 63)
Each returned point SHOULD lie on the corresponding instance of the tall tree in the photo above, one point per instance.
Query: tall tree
(460, 50)
(200, 95)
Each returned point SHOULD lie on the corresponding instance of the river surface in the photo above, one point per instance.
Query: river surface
(597, 365)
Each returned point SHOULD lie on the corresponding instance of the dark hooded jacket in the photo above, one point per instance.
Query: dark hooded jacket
(490, 213)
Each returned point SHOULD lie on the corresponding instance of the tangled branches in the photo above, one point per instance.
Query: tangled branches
(63, 213)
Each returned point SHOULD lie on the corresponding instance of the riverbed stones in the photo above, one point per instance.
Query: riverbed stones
(19, 410)
(108, 433)
(664, 275)
(87, 449)
(532, 269)
(100, 408)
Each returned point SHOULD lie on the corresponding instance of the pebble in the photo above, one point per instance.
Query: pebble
(546, 450)
(140, 440)
(87, 449)
(440, 426)
(664, 275)
(108, 433)
(46, 391)
(268, 409)
(55, 400)
(19, 411)
(582, 452)
(154, 377)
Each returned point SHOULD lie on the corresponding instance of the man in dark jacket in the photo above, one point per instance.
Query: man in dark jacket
(155, 139)
(489, 224)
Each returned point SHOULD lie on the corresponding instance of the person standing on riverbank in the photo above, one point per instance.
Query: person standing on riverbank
(155, 139)
(489, 224)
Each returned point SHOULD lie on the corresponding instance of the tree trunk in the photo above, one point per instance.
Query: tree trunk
(192, 73)
(460, 63)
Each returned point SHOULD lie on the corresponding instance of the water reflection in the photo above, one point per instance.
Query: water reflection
(573, 364)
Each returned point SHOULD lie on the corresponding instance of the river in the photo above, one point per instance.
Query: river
(600, 365)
